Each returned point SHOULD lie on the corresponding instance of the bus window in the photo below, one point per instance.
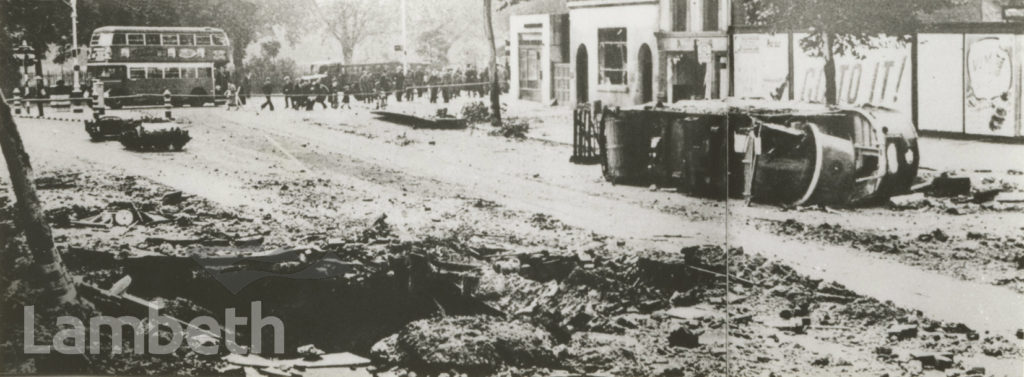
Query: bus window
(218, 39)
(107, 72)
(171, 73)
(153, 39)
(154, 73)
(95, 40)
(205, 72)
(185, 39)
(203, 40)
(188, 73)
(137, 73)
(136, 39)
(118, 39)
(170, 39)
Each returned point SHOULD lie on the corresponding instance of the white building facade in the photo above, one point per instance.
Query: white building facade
(625, 52)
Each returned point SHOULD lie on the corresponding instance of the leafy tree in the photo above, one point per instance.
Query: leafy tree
(350, 22)
(270, 48)
(841, 26)
(38, 23)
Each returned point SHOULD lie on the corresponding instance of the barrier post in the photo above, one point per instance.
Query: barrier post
(41, 94)
(100, 108)
(77, 96)
(17, 101)
(167, 103)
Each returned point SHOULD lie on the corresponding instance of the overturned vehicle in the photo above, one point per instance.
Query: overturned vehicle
(768, 152)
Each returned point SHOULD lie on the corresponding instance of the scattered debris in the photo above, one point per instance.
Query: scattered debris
(109, 127)
(908, 201)
(947, 184)
(121, 214)
(155, 137)
(441, 120)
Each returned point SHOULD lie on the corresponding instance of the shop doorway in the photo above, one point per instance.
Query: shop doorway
(688, 77)
(646, 74)
(582, 77)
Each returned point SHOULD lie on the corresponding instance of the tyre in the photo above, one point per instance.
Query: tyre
(197, 101)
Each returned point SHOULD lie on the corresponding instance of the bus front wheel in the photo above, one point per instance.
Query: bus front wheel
(199, 98)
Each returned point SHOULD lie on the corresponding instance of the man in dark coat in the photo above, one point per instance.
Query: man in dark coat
(399, 84)
(268, 88)
(434, 79)
(287, 90)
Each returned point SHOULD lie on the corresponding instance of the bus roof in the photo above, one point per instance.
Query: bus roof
(172, 29)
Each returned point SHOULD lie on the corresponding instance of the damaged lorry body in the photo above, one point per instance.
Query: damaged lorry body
(780, 153)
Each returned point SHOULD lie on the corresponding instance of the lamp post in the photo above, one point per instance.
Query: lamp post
(405, 43)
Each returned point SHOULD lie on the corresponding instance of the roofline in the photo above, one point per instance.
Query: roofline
(158, 28)
(925, 28)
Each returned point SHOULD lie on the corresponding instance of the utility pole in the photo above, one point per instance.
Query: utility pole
(405, 42)
(495, 86)
(74, 43)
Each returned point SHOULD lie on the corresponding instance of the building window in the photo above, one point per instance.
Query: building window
(611, 64)
(711, 15)
(153, 39)
(135, 39)
(679, 15)
(137, 73)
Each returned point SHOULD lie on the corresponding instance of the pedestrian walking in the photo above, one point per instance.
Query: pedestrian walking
(243, 89)
(321, 90)
(333, 97)
(232, 96)
(345, 99)
(268, 88)
(287, 89)
(399, 85)
(434, 79)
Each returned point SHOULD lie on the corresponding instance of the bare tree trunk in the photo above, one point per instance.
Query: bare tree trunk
(495, 87)
(831, 97)
(50, 272)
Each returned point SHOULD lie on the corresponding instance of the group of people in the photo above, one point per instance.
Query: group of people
(372, 87)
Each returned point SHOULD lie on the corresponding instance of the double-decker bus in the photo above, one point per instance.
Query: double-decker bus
(190, 62)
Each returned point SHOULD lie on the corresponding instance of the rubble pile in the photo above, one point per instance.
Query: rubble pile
(961, 254)
(458, 302)
(471, 344)
(961, 193)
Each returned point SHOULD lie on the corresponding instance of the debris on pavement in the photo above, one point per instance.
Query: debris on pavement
(121, 214)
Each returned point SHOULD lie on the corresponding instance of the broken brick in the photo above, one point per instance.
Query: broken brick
(684, 337)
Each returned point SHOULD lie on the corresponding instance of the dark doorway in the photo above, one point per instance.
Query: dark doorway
(582, 77)
(688, 77)
(646, 74)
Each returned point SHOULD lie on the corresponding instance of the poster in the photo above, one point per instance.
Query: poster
(988, 85)
(761, 64)
(878, 74)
